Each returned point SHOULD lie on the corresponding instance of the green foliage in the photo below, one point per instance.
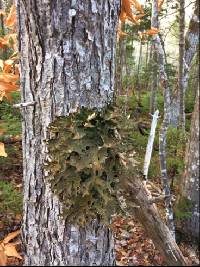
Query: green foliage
(171, 74)
(183, 208)
(175, 151)
(145, 102)
(140, 141)
(84, 168)
(175, 138)
(189, 101)
(10, 117)
(10, 199)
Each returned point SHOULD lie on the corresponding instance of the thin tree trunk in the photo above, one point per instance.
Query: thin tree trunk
(121, 64)
(154, 83)
(1, 20)
(181, 63)
(191, 47)
(166, 120)
(67, 51)
(138, 69)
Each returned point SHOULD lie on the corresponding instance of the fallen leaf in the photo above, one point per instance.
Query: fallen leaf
(10, 251)
(3, 257)
(2, 150)
(11, 236)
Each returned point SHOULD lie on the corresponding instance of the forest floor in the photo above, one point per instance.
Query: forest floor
(133, 248)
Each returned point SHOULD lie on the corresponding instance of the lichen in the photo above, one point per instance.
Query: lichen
(84, 166)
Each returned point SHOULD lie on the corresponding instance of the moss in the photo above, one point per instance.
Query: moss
(85, 167)
(10, 199)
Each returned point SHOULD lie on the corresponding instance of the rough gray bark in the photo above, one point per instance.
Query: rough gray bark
(191, 47)
(181, 63)
(190, 186)
(121, 62)
(67, 51)
(166, 120)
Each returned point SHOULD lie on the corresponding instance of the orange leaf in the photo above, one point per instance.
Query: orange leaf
(6, 89)
(122, 16)
(160, 3)
(11, 251)
(137, 5)
(126, 7)
(137, 17)
(8, 249)
(122, 34)
(2, 150)
(9, 40)
(2, 12)
(2, 94)
(11, 19)
(3, 257)
(8, 78)
(8, 65)
(11, 236)
(151, 31)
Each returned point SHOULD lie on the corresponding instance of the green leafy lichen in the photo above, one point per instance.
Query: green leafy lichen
(84, 169)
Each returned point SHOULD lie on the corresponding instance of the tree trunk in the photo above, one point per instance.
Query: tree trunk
(67, 51)
(191, 47)
(121, 62)
(189, 199)
(181, 63)
(154, 82)
(137, 84)
(147, 213)
(159, 49)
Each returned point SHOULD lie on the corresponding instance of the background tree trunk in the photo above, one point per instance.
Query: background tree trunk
(181, 63)
(189, 199)
(159, 50)
(154, 82)
(191, 47)
(67, 51)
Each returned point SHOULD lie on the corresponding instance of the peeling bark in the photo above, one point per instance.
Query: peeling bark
(67, 51)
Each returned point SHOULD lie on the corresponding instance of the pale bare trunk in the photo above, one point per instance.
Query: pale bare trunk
(154, 83)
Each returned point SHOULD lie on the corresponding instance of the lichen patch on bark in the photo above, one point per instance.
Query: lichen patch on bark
(83, 165)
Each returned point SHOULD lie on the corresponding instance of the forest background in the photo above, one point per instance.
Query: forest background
(138, 95)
